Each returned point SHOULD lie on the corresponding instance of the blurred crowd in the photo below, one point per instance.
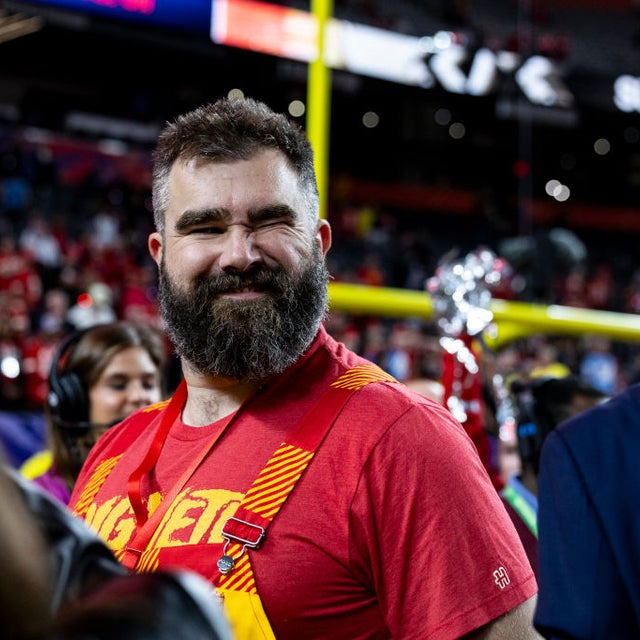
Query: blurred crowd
(74, 220)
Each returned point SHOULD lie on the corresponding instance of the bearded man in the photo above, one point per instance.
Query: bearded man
(319, 496)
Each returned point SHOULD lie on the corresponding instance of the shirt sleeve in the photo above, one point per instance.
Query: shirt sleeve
(442, 532)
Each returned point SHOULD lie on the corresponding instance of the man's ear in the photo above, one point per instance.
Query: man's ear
(155, 246)
(323, 235)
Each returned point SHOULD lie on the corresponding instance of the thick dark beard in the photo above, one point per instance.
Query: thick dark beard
(247, 340)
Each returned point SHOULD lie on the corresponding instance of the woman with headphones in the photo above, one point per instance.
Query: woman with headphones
(98, 376)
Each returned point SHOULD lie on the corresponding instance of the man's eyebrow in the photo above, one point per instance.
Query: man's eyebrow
(196, 217)
(271, 212)
(193, 218)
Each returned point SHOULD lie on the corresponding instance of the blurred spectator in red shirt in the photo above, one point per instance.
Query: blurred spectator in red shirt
(138, 299)
(18, 274)
(36, 361)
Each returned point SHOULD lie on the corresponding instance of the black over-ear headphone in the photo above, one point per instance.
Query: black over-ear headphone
(67, 399)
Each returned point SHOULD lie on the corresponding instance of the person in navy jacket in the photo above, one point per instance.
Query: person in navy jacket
(589, 524)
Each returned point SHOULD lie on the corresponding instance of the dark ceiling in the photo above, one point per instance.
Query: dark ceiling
(148, 75)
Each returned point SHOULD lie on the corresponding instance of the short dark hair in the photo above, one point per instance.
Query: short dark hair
(227, 130)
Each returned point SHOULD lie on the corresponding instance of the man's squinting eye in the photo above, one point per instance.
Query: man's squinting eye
(209, 230)
(255, 227)
(267, 225)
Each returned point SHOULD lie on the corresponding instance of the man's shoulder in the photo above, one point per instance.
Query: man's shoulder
(344, 364)
(600, 442)
(616, 418)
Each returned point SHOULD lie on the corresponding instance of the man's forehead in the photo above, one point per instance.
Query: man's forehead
(263, 156)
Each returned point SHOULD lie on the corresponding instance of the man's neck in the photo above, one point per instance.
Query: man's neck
(211, 398)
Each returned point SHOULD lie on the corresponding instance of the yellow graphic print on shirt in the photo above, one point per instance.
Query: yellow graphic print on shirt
(195, 517)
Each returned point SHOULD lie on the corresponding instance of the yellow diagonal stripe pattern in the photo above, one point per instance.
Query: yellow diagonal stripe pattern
(361, 376)
(157, 406)
(264, 498)
(93, 486)
(241, 578)
(148, 560)
(276, 480)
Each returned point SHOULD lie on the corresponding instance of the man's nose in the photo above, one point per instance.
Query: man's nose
(239, 249)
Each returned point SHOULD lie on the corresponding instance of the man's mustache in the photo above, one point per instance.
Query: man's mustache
(259, 279)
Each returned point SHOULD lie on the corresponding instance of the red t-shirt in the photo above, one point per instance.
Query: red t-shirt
(394, 530)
